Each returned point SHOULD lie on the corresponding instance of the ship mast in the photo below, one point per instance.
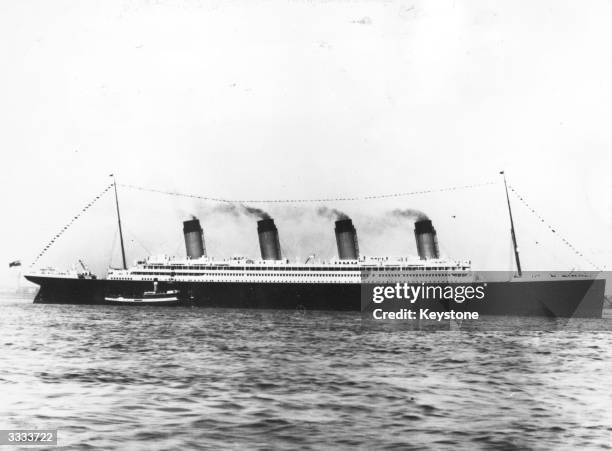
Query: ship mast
(119, 222)
(515, 245)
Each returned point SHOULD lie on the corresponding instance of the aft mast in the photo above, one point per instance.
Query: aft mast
(515, 245)
(119, 222)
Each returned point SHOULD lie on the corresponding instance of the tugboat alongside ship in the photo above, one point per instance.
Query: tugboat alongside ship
(338, 284)
(169, 297)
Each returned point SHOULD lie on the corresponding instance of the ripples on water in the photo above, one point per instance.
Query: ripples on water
(114, 377)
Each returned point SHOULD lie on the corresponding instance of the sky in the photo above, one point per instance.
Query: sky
(306, 99)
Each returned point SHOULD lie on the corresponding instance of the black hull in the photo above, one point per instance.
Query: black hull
(561, 298)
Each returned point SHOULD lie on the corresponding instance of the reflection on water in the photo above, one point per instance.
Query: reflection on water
(115, 377)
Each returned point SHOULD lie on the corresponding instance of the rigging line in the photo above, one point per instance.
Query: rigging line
(67, 226)
(112, 251)
(329, 199)
(135, 239)
(553, 229)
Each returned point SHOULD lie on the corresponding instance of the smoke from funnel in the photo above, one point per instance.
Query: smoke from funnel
(409, 213)
(256, 212)
(227, 208)
(331, 213)
(241, 209)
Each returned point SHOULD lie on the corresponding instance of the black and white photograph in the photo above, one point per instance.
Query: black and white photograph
(305, 224)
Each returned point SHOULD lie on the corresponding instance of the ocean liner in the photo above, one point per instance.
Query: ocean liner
(342, 283)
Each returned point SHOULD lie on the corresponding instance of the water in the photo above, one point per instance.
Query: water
(185, 378)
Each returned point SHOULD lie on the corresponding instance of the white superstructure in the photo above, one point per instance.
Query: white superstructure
(241, 269)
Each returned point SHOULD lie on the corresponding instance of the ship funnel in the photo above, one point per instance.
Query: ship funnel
(426, 239)
(194, 238)
(346, 239)
(268, 239)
